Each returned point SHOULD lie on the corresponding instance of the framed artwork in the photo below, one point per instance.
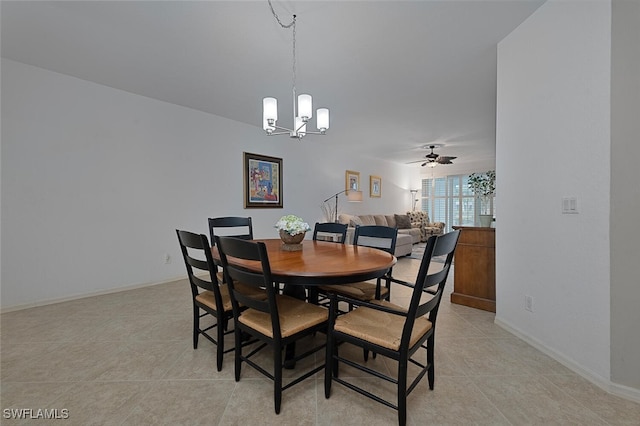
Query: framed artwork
(352, 181)
(375, 186)
(262, 181)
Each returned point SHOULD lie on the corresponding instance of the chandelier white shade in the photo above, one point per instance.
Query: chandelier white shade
(305, 113)
(302, 105)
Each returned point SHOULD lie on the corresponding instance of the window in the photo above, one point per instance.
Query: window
(449, 200)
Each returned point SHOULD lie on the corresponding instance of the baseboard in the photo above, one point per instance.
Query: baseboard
(608, 386)
(84, 295)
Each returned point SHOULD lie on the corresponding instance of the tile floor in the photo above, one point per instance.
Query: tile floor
(127, 359)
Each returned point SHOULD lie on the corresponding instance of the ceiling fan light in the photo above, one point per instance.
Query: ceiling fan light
(432, 164)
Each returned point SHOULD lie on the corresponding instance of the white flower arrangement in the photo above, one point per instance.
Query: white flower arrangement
(292, 225)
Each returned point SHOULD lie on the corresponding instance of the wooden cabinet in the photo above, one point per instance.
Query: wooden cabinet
(475, 268)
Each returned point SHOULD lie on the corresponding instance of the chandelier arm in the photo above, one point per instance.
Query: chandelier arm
(282, 128)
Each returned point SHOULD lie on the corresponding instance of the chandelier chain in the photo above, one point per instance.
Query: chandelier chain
(287, 26)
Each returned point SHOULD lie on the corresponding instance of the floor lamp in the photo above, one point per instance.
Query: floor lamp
(414, 200)
(352, 196)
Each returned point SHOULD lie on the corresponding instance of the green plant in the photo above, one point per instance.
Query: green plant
(483, 186)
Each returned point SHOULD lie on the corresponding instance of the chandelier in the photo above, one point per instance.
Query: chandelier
(302, 109)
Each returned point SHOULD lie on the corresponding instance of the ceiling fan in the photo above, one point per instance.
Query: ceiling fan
(433, 159)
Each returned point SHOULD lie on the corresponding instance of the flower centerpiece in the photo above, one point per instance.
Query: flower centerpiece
(483, 186)
(292, 229)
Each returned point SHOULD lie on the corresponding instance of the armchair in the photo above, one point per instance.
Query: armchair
(420, 219)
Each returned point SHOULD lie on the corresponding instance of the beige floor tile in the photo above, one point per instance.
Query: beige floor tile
(142, 360)
(453, 401)
(102, 403)
(182, 402)
(128, 358)
(533, 400)
(346, 407)
(612, 409)
(252, 403)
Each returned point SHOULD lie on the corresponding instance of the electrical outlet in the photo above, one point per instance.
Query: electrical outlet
(167, 258)
(528, 303)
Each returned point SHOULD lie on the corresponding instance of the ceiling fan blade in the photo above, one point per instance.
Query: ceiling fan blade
(445, 160)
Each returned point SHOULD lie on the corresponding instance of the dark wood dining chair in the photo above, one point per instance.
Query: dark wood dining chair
(331, 232)
(335, 232)
(209, 297)
(230, 226)
(375, 236)
(276, 321)
(393, 331)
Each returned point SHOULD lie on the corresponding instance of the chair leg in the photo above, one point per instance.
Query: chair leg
(431, 370)
(219, 341)
(237, 337)
(402, 392)
(328, 365)
(196, 326)
(277, 377)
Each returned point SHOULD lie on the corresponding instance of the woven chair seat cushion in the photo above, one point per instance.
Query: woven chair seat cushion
(208, 299)
(295, 315)
(362, 290)
(380, 328)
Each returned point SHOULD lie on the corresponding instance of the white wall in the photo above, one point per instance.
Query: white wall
(553, 140)
(625, 193)
(96, 180)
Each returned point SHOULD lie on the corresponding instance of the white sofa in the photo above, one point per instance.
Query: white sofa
(407, 236)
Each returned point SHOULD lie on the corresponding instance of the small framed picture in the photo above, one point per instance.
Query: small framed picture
(352, 181)
(262, 181)
(375, 186)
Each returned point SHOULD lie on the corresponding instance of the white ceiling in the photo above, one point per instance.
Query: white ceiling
(396, 75)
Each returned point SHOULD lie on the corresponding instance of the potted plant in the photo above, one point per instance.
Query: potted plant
(483, 186)
(292, 229)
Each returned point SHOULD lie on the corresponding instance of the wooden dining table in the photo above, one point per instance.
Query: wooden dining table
(320, 263)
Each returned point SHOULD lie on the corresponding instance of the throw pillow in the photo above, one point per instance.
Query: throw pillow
(402, 221)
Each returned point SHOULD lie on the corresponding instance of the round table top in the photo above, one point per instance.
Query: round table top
(323, 262)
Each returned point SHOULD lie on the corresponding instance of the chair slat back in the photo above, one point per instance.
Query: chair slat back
(376, 236)
(193, 245)
(331, 229)
(443, 245)
(231, 247)
(232, 226)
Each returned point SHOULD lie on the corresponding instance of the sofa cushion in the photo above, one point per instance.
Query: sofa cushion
(355, 220)
(380, 220)
(391, 220)
(367, 219)
(403, 222)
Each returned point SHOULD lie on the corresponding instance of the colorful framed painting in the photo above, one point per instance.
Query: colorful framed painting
(352, 181)
(262, 181)
(375, 186)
